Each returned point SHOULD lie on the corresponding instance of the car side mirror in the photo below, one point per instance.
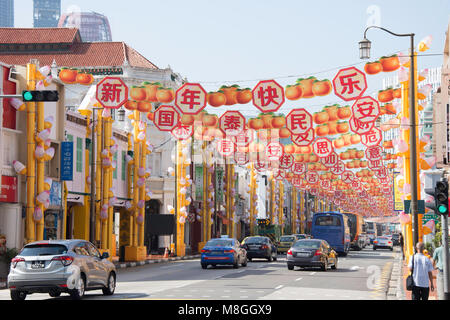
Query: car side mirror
(105, 255)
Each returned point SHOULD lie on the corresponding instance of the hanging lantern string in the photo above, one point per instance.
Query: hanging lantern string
(306, 74)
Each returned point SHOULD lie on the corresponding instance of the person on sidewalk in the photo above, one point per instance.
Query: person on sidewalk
(422, 273)
(401, 246)
(438, 263)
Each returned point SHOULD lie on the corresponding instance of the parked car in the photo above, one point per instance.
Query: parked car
(286, 243)
(396, 239)
(300, 236)
(312, 253)
(383, 243)
(60, 266)
(223, 251)
(260, 247)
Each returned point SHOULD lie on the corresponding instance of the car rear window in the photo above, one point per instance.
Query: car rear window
(43, 250)
(219, 243)
(287, 239)
(255, 240)
(305, 244)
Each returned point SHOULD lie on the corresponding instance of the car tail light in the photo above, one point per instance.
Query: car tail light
(264, 246)
(65, 260)
(289, 252)
(205, 251)
(389, 241)
(375, 241)
(317, 253)
(229, 251)
(14, 261)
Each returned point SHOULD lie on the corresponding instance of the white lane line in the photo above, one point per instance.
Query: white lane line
(312, 273)
(279, 287)
(298, 279)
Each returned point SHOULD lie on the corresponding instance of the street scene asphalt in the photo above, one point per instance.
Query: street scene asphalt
(359, 276)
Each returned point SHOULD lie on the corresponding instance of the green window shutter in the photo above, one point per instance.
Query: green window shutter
(70, 138)
(79, 155)
(124, 166)
(115, 170)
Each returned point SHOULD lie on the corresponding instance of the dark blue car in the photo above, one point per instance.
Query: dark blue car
(223, 251)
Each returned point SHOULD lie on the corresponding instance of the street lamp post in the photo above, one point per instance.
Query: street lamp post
(364, 47)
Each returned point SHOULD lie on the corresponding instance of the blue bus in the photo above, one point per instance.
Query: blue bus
(333, 228)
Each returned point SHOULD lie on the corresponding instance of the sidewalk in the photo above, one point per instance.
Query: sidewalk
(433, 294)
(120, 265)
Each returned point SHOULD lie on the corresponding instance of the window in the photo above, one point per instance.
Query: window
(43, 250)
(79, 154)
(93, 250)
(124, 166)
(328, 221)
(117, 166)
(81, 249)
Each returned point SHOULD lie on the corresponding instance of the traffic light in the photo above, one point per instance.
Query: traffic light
(441, 196)
(40, 96)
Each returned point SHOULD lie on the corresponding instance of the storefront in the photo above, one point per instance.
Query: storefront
(54, 215)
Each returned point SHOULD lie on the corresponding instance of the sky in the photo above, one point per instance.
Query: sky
(219, 43)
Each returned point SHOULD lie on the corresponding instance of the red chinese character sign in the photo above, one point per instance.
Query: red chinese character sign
(366, 110)
(299, 168)
(359, 127)
(191, 98)
(312, 177)
(374, 153)
(338, 168)
(350, 83)
(232, 123)
(279, 174)
(299, 121)
(304, 139)
(286, 161)
(372, 138)
(244, 138)
(322, 147)
(181, 132)
(166, 118)
(225, 147)
(241, 158)
(330, 161)
(348, 177)
(274, 151)
(112, 92)
(268, 96)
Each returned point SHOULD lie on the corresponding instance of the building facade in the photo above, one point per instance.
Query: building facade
(6, 13)
(46, 13)
(93, 26)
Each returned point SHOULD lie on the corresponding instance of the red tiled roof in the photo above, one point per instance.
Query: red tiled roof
(84, 54)
(39, 35)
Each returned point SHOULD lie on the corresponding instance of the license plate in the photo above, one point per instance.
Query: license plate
(38, 265)
(302, 254)
(216, 253)
(254, 247)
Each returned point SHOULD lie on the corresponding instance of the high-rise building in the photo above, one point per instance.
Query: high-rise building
(93, 26)
(7, 13)
(46, 13)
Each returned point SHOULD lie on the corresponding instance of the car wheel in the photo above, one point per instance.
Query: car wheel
(374, 248)
(325, 266)
(78, 293)
(392, 249)
(54, 293)
(18, 295)
(250, 259)
(111, 287)
(290, 267)
(204, 266)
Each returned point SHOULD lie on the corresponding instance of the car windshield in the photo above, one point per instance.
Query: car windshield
(219, 243)
(43, 250)
(255, 240)
(302, 244)
(287, 239)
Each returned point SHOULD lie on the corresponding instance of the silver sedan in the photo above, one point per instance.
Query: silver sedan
(57, 266)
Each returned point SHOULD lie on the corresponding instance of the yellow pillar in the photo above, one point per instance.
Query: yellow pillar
(31, 165)
(98, 174)
(106, 185)
(180, 226)
(281, 205)
(142, 192)
(40, 170)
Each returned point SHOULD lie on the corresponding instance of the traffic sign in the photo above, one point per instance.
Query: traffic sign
(420, 205)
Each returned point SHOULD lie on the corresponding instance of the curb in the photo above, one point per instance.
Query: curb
(395, 288)
(122, 265)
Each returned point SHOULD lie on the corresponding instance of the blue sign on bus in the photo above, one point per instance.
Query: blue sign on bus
(67, 161)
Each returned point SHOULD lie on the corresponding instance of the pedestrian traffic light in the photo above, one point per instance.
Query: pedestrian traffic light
(441, 196)
(40, 96)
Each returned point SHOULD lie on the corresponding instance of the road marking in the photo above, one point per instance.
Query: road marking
(298, 279)
(312, 273)
(279, 287)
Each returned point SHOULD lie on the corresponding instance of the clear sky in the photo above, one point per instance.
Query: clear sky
(213, 42)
